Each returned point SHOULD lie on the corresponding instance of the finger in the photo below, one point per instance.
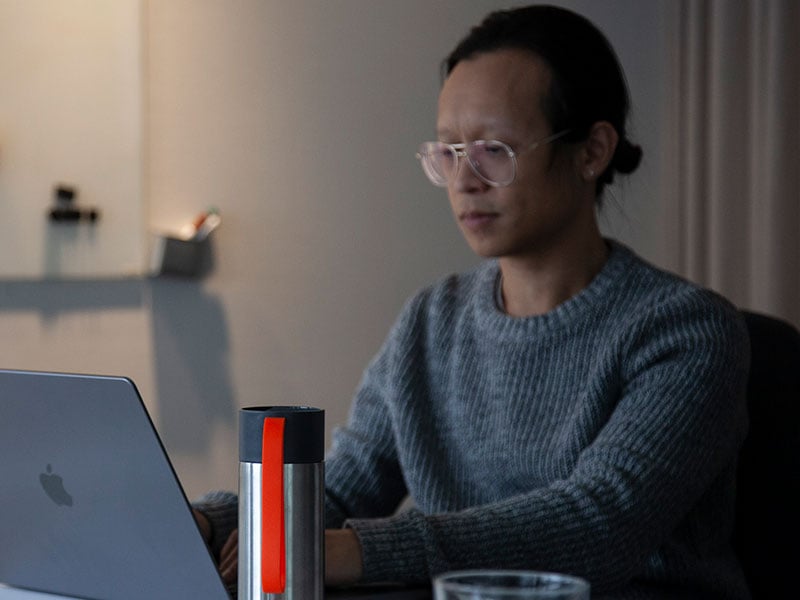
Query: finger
(229, 558)
(229, 568)
(231, 544)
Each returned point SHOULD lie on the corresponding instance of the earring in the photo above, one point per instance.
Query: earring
(589, 173)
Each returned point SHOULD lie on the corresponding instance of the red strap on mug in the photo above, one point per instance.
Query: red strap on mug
(273, 537)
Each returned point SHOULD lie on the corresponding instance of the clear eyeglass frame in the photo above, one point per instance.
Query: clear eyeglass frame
(442, 177)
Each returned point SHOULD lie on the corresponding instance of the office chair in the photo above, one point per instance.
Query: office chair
(767, 526)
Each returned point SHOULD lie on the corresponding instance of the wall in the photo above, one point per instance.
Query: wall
(59, 128)
(299, 121)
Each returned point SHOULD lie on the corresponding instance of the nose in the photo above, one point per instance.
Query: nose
(465, 179)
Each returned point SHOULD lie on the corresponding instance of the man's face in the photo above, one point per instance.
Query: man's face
(498, 96)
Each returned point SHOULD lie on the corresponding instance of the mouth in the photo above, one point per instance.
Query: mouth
(477, 219)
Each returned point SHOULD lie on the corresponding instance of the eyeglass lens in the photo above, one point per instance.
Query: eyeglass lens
(492, 161)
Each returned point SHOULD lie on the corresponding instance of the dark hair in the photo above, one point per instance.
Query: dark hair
(588, 84)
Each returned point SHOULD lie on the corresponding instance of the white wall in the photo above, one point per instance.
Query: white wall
(299, 120)
(59, 127)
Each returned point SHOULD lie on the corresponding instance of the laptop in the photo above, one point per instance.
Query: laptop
(90, 506)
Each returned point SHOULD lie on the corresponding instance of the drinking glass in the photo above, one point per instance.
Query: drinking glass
(509, 585)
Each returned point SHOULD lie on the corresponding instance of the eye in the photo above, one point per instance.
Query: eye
(494, 148)
(442, 154)
(490, 151)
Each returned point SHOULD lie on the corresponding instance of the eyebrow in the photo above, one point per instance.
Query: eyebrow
(492, 129)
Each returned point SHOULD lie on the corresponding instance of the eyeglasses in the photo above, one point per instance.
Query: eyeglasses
(492, 161)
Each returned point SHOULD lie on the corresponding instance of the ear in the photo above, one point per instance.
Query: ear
(598, 150)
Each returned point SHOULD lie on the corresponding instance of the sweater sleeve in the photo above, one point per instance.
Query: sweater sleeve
(363, 476)
(672, 436)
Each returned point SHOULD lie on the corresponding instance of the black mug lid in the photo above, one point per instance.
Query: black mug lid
(303, 434)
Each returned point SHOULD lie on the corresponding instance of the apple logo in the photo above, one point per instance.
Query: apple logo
(54, 487)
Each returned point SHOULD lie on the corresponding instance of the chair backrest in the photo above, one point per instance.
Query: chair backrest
(767, 530)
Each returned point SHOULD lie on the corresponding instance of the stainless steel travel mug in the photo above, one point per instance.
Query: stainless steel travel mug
(281, 503)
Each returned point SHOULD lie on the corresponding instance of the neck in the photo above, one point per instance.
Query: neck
(535, 285)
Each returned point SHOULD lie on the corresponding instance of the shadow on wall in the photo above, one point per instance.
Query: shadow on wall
(190, 338)
(52, 298)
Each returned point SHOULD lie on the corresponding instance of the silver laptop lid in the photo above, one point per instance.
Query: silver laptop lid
(9, 593)
(89, 503)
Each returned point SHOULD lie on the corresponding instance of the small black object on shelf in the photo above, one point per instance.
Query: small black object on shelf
(65, 210)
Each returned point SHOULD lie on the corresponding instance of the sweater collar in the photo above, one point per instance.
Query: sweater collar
(590, 301)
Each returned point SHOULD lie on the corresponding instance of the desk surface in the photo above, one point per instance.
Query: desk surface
(380, 593)
(359, 593)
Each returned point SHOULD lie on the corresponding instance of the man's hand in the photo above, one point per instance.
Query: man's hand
(229, 555)
(343, 562)
(203, 524)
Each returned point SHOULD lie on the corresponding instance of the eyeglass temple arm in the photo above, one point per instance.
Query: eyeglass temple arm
(547, 140)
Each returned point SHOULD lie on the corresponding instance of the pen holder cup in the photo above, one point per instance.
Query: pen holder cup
(174, 256)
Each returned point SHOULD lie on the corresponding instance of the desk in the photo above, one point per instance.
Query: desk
(358, 593)
(380, 593)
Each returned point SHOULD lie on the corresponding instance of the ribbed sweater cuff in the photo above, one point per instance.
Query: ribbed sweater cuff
(395, 548)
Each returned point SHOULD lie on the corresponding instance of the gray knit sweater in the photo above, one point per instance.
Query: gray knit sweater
(599, 439)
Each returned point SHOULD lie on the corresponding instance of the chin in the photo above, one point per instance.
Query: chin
(486, 251)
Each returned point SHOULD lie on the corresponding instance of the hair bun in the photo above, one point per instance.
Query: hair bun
(626, 157)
